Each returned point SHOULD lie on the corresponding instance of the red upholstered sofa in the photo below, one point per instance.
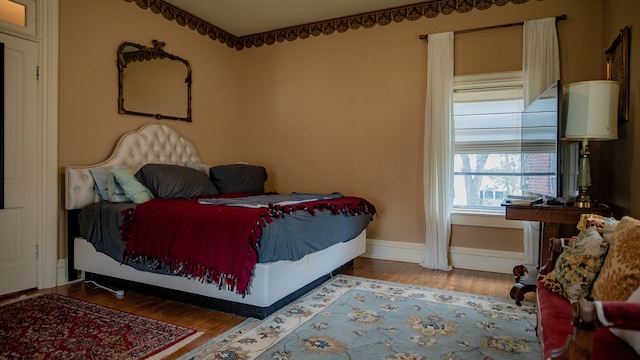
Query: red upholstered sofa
(573, 329)
(560, 339)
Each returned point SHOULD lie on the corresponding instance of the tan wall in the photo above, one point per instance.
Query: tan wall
(365, 89)
(617, 174)
(90, 34)
(487, 238)
(331, 113)
(89, 124)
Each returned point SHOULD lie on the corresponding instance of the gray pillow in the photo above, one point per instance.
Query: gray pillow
(175, 181)
(238, 178)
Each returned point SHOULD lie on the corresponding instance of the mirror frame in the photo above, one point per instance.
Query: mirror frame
(149, 53)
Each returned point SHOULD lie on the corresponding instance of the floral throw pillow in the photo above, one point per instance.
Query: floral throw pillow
(578, 266)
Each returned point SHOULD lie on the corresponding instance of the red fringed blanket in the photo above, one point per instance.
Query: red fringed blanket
(211, 242)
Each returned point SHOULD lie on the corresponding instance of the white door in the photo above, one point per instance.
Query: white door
(18, 228)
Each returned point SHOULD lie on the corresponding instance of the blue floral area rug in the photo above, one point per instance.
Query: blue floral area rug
(355, 318)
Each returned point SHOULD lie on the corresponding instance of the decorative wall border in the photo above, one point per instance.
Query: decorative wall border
(428, 9)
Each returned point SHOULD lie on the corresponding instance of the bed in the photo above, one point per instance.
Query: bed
(274, 280)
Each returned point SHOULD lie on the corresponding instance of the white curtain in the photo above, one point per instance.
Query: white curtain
(540, 67)
(437, 151)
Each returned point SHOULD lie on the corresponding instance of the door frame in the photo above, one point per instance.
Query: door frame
(48, 192)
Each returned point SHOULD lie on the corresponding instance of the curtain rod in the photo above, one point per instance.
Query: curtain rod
(426, 37)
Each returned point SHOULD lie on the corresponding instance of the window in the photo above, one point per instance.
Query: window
(487, 113)
(13, 12)
(18, 16)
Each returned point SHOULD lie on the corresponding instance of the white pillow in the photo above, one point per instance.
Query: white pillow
(106, 184)
(133, 189)
(631, 337)
(114, 189)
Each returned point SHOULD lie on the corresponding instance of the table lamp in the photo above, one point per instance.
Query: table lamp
(591, 113)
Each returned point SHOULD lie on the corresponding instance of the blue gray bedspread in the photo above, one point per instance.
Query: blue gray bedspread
(286, 238)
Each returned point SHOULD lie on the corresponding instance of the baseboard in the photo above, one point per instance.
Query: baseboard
(394, 250)
(61, 269)
(461, 257)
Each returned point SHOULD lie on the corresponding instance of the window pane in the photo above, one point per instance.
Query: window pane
(487, 163)
(482, 191)
(486, 179)
(13, 12)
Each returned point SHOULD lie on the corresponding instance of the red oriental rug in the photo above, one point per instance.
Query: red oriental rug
(52, 326)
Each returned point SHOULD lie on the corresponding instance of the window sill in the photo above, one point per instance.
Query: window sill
(486, 218)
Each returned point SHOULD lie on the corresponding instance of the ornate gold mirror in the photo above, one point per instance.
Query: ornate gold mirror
(152, 82)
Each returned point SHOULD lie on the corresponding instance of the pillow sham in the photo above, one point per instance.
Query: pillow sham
(578, 266)
(238, 178)
(100, 179)
(114, 189)
(175, 181)
(133, 189)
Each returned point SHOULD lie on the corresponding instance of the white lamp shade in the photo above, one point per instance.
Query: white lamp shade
(591, 110)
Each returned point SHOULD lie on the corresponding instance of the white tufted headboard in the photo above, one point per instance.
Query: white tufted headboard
(152, 143)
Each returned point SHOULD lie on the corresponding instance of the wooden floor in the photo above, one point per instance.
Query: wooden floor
(213, 323)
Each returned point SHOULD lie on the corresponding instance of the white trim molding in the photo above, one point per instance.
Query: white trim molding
(394, 250)
(61, 272)
(48, 191)
(461, 257)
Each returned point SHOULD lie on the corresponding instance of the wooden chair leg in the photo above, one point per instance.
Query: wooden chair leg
(519, 289)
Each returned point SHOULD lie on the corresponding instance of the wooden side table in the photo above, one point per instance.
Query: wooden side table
(550, 218)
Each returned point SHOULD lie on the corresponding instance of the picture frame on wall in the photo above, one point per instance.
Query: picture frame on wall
(618, 70)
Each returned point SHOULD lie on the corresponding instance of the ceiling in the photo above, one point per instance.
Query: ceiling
(248, 17)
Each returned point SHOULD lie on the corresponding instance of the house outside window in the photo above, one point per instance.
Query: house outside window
(487, 156)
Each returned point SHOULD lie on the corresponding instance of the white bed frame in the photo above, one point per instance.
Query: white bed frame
(273, 284)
